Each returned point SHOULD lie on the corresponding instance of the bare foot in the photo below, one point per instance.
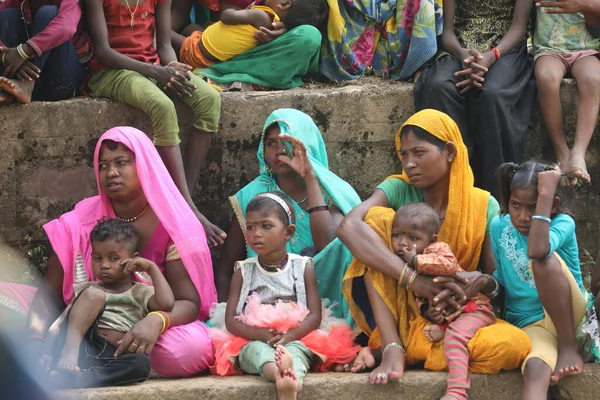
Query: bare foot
(214, 235)
(365, 359)
(21, 91)
(576, 169)
(68, 360)
(391, 367)
(434, 333)
(570, 363)
(6, 98)
(287, 382)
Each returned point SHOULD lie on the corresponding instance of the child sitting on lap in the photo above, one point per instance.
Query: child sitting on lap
(414, 239)
(274, 314)
(81, 344)
(236, 32)
(564, 47)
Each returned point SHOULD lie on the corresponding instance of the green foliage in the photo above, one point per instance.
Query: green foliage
(37, 261)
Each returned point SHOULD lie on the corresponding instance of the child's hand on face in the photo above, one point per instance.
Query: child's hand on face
(136, 264)
(548, 181)
(409, 254)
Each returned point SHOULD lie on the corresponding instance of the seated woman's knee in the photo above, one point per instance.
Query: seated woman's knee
(311, 36)
(10, 16)
(46, 13)
(182, 351)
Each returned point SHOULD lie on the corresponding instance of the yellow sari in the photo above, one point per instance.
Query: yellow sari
(495, 347)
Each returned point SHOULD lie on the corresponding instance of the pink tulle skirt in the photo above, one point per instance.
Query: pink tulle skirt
(333, 343)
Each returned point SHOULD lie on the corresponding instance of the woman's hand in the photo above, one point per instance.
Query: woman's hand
(28, 72)
(299, 161)
(469, 283)
(443, 292)
(11, 60)
(268, 35)
(175, 80)
(142, 337)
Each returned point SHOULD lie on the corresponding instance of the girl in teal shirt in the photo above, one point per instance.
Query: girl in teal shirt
(537, 264)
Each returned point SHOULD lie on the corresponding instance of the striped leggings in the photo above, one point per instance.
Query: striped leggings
(456, 339)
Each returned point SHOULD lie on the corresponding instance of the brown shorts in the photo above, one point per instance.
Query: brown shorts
(568, 59)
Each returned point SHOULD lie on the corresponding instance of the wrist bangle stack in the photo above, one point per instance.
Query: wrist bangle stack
(541, 218)
(407, 277)
(22, 52)
(317, 208)
(165, 319)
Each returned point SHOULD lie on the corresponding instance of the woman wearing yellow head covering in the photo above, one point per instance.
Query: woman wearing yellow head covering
(436, 171)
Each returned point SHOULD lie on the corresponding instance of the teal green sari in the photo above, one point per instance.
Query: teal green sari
(331, 263)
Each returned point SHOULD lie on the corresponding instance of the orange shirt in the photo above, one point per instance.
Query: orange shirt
(135, 41)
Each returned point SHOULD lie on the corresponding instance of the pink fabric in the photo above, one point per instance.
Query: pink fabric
(17, 297)
(70, 233)
(68, 25)
(183, 351)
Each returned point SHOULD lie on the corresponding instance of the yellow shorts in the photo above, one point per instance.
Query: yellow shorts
(544, 340)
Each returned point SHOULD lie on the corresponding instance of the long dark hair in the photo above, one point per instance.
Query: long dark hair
(524, 176)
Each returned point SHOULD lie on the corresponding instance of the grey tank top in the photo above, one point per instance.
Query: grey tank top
(286, 284)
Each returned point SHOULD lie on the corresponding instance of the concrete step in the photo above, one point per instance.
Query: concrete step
(415, 385)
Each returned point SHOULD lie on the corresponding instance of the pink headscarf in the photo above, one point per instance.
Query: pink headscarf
(69, 234)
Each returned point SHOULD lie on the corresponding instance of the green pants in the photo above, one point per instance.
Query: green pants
(256, 354)
(141, 92)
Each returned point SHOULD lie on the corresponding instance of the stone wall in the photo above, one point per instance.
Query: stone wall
(48, 147)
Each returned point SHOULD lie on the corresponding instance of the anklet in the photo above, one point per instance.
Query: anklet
(393, 345)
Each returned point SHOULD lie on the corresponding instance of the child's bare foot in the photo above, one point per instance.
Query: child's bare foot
(68, 360)
(21, 91)
(287, 382)
(570, 363)
(391, 367)
(214, 235)
(576, 169)
(5, 98)
(434, 333)
(363, 360)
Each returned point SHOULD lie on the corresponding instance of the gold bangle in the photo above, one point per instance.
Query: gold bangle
(402, 274)
(22, 53)
(164, 321)
(412, 280)
(3, 57)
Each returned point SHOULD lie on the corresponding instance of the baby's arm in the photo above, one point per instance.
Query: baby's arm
(51, 336)
(239, 328)
(163, 298)
(313, 319)
(437, 260)
(256, 18)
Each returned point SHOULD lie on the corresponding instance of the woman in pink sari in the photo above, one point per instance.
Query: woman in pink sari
(135, 186)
